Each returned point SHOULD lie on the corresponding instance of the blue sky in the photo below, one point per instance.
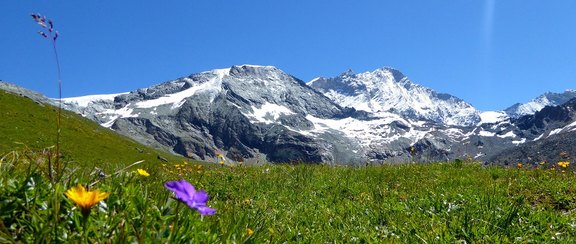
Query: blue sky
(491, 53)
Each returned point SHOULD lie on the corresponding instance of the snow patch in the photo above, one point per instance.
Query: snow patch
(368, 132)
(555, 131)
(486, 133)
(539, 137)
(453, 132)
(519, 142)
(114, 114)
(492, 117)
(84, 101)
(567, 128)
(213, 86)
(221, 72)
(509, 134)
(479, 155)
(313, 80)
(268, 113)
(571, 126)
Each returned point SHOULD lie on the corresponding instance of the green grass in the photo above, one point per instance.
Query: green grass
(290, 203)
(26, 124)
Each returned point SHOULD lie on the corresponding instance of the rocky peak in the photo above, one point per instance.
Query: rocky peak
(256, 72)
(547, 99)
(387, 71)
(388, 90)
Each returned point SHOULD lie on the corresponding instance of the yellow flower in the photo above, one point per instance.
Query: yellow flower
(222, 163)
(85, 199)
(564, 164)
(249, 232)
(542, 163)
(142, 172)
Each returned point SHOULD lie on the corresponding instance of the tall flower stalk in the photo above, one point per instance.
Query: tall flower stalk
(51, 34)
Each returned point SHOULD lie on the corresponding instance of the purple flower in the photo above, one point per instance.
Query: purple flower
(41, 20)
(186, 193)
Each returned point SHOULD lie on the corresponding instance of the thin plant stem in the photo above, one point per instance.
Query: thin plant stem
(52, 34)
(58, 123)
(56, 210)
(84, 227)
(175, 225)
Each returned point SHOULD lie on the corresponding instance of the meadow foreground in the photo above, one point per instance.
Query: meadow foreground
(441, 202)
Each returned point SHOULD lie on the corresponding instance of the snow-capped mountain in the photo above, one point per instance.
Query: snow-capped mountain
(537, 104)
(251, 112)
(259, 113)
(388, 90)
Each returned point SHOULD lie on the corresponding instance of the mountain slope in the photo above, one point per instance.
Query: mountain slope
(389, 90)
(551, 132)
(537, 104)
(32, 124)
(553, 149)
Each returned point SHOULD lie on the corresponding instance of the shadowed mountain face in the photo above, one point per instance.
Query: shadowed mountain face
(553, 149)
(259, 113)
(553, 130)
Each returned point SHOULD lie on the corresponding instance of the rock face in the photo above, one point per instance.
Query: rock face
(553, 149)
(259, 113)
(551, 133)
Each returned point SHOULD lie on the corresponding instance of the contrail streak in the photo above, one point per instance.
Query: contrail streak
(489, 23)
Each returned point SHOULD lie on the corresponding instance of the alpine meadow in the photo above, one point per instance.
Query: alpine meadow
(252, 154)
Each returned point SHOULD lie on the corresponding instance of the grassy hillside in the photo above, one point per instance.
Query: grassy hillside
(26, 123)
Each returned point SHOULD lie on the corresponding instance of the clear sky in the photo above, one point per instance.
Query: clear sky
(491, 53)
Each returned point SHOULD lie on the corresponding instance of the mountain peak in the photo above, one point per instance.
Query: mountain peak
(398, 76)
(387, 89)
(538, 103)
(255, 71)
(348, 72)
(244, 69)
(253, 67)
